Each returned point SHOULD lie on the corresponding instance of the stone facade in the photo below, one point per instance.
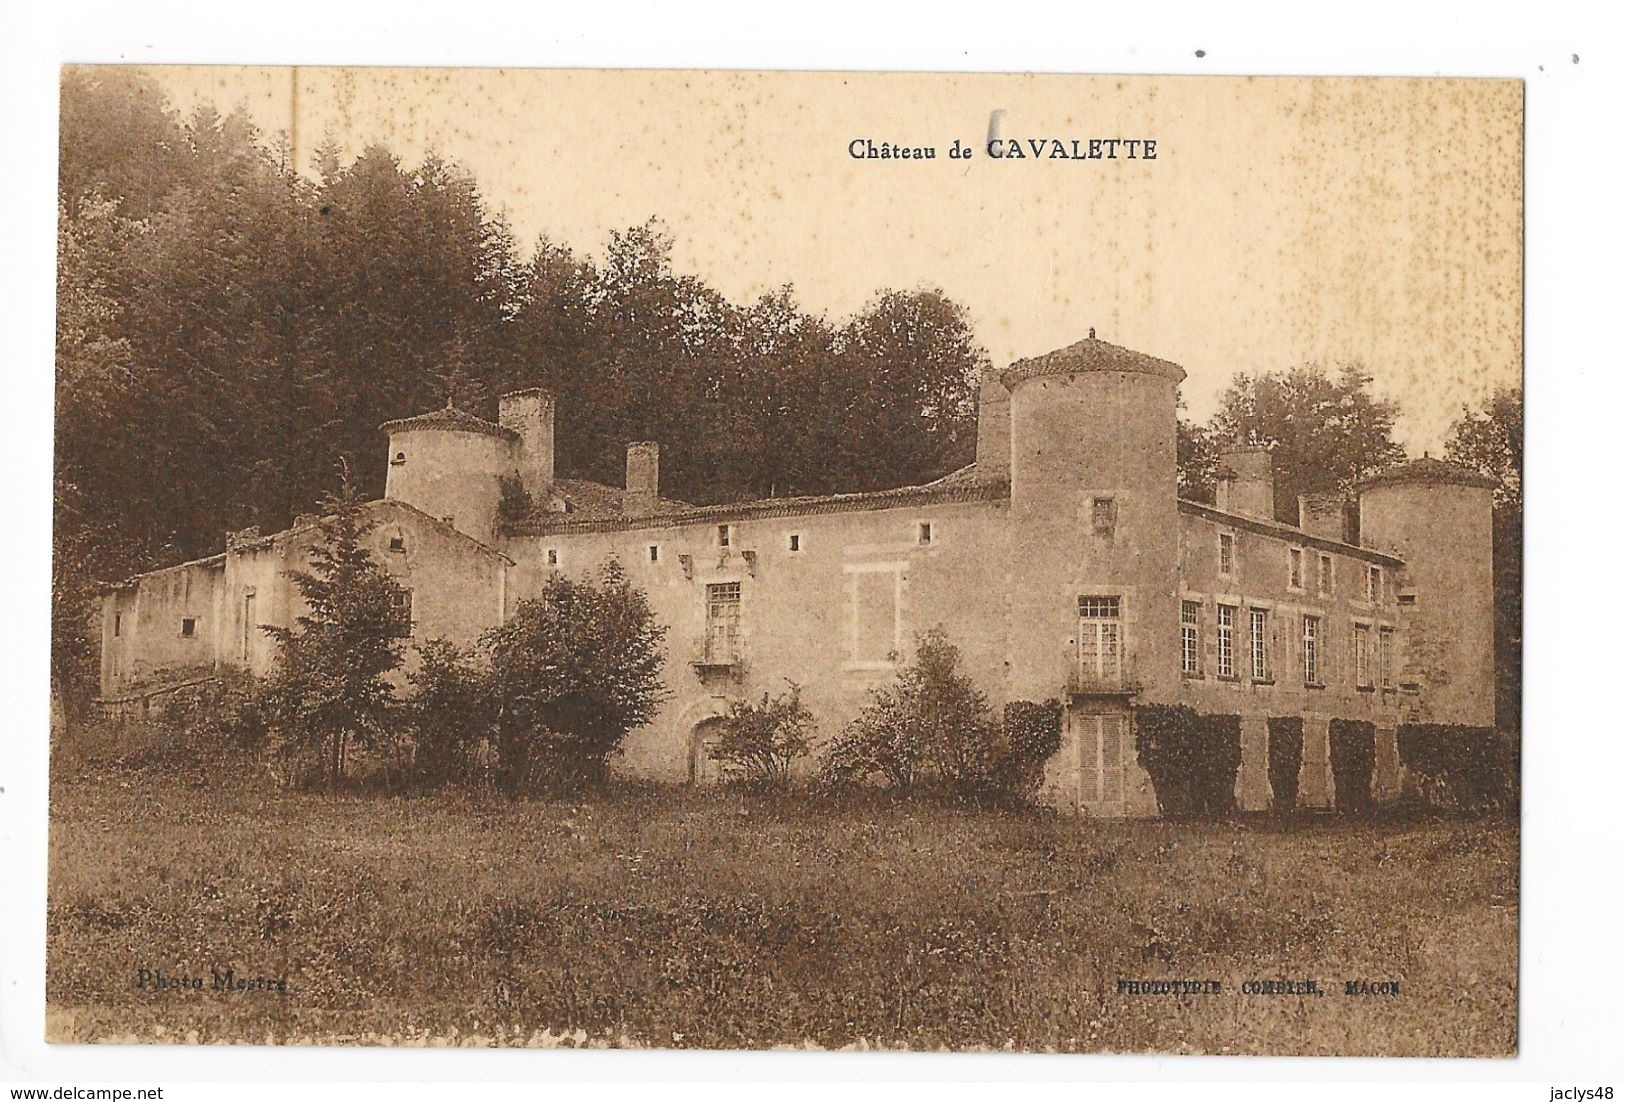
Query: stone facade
(1062, 563)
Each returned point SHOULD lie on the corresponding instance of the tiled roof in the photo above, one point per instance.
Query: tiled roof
(449, 419)
(1090, 354)
(1428, 471)
(958, 486)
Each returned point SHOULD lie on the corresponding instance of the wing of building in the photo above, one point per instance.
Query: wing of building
(1062, 563)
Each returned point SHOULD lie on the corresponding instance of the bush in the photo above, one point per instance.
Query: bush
(1192, 759)
(449, 713)
(224, 710)
(1286, 761)
(572, 672)
(933, 730)
(1028, 738)
(1354, 756)
(1461, 768)
(760, 742)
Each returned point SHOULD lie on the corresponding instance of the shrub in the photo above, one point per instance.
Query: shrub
(1029, 736)
(449, 713)
(1354, 755)
(932, 729)
(1286, 761)
(572, 672)
(762, 741)
(1192, 759)
(1461, 768)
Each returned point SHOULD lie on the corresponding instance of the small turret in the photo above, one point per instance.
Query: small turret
(1437, 517)
(450, 464)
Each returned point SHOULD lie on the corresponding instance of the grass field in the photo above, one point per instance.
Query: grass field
(680, 918)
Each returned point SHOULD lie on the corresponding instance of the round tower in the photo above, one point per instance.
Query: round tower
(1437, 517)
(1094, 525)
(451, 464)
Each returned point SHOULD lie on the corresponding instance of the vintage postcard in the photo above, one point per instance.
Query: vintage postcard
(787, 560)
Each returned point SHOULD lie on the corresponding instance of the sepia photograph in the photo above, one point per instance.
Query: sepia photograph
(701, 559)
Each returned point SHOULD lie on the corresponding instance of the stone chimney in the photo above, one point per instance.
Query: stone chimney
(993, 429)
(1324, 515)
(530, 414)
(642, 479)
(1247, 482)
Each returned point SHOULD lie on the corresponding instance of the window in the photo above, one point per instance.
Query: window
(875, 626)
(1325, 575)
(118, 624)
(1385, 658)
(248, 624)
(1190, 637)
(725, 535)
(397, 543)
(399, 460)
(1373, 584)
(1311, 650)
(654, 552)
(1227, 553)
(1100, 636)
(552, 556)
(188, 626)
(1258, 642)
(400, 608)
(1103, 515)
(722, 622)
(1226, 638)
(924, 534)
(795, 542)
(1294, 568)
(1362, 656)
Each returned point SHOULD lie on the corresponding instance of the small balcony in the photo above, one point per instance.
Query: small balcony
(717, 654)
(1082, 681)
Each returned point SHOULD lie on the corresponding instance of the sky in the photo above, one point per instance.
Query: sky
(1283, 221)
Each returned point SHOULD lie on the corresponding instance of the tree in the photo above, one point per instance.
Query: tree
(328, 690)
(1198, 461)
(573, 672)
(1491, 440)
(762, 741)
(912, 365)
(1325, 433)
(95, 385)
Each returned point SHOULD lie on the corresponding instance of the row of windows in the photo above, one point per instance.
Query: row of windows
(924, 535)
(1373, 648)
(1296, 564)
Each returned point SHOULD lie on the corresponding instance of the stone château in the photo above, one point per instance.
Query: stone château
(1063, 563)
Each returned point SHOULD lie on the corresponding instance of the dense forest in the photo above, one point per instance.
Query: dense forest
(231, 327)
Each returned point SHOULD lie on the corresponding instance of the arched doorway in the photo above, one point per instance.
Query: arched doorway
(703, 767)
